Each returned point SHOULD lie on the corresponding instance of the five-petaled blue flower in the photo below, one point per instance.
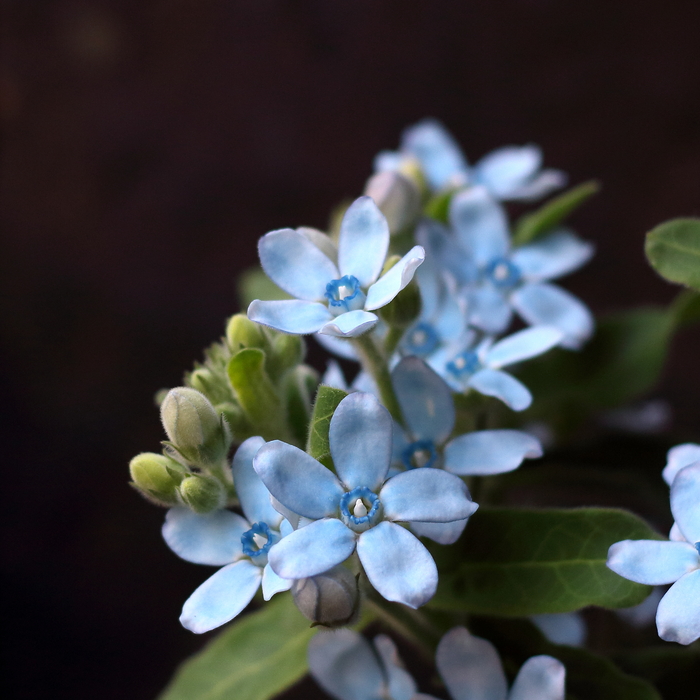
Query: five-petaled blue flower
(511, 172)
(336, 289)
(428, 410)
(225, 538)
(661, 562)
(359, 508)
(497, 280)
(471, 668)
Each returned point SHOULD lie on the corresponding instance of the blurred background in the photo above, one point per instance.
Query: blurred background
(148, 144)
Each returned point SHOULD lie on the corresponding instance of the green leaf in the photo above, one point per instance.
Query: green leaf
(673, 249)
(256, 394)
(327, 400)
(254, 659)
(587, 674)
(255, 284)
(513, 562)
(438, 206)
(552, 213)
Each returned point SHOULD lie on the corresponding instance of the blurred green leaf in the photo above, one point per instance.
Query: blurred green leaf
(256, 394)
(255, 658)
(516, 562)
(438, 206)
(255, 284)
(673, 249)
(327, 400)
(552, 213)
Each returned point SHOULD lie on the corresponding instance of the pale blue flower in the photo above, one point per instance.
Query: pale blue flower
(478, 366)
(334, 377)
(348, 667)
(471, 668)
(509, 173)
(679, 457)
(498, 280)
(359, 508)
(241, 545)
(428, 411)
(656, 563)
(335, 290)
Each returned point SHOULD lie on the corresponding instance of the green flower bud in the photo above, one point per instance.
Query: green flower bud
(157, 477)
(397, 197)
(330, 599)
(241, 332)
(405, 307)
(194, 427)
(202, 494)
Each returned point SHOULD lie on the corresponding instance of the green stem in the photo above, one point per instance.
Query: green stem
(393, 338)
(375, 363)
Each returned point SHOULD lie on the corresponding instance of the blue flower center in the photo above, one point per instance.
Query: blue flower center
(257, 542)
(360, 509)
(697, 546)
(503, 273)
(464, 365)
(421, 453)
(344, 295)
(421, 340)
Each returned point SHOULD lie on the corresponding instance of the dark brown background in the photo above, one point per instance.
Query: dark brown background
(148, 143)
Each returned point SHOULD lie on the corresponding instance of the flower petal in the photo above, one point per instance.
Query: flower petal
(540, 678)
(360, 437)
(506, 169)
(290, 315)
(481, 224)
(363, 242)
(486, 452)
(425, 400)
(297, 480)
(470, 667)
(401, 685)
(488, 309)
(522, 345)
(393, 281)
(541, 185)
(313, 549)
(350, 324)
(678, 615)
(398, 566)
(343, 664)
(685, 501)
(426, 495)
(556, 255)
(214, 538)
(333, 376)
(549, 305)
(442, 248)
(295, 264)
(337, 346)
(442, 533)
(652, 562)
(503, 386)
(272, 583)
(562, 628)
(221, 597)
(253, 494)
(678, 457)
(438, 153)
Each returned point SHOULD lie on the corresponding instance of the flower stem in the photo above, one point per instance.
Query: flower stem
(375, 363)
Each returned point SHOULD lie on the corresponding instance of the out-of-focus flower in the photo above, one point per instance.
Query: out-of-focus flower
(336, 289)
(359, 508)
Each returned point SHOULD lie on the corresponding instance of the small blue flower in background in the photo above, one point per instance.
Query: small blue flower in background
(562, 628)
(427, 407)
(333, 376)
(241, 545)
(359, 508)
(509, 173)
(471, 668)
(657, 563)
(348, 667)
(497, 280)
(478, 366)
(335, 291)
